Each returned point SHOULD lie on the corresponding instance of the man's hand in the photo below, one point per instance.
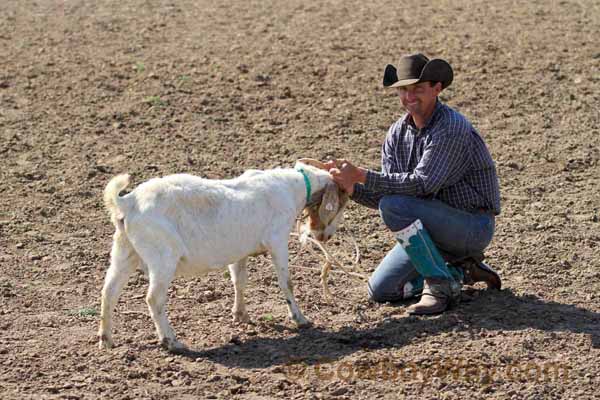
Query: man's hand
(346, 175)
(330, 164)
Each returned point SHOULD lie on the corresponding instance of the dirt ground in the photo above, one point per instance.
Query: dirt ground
(91, 89)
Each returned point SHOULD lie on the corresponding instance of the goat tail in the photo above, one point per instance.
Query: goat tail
(112, 201)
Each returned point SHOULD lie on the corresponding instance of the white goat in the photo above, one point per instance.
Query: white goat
(185, 225)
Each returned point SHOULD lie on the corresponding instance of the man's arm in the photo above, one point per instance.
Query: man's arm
(352, 178)
(388, 149)
(444, 156)
(365, 197)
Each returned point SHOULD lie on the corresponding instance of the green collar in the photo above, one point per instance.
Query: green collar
(307, 183)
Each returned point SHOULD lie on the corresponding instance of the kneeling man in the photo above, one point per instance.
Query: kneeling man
(438, 191)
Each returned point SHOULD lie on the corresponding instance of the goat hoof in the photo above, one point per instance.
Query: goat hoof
(303, 323)
(241, 318)
(173, 345)
(105, 343)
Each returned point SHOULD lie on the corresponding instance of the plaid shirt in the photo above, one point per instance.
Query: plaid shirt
(445, 160)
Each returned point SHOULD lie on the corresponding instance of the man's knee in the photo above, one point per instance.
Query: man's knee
(379, 292)
(396, 211)
(375, 293)
(383, 292)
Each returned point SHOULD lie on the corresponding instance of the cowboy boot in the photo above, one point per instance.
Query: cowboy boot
(440, 287)
(436, 297)
(476, 271)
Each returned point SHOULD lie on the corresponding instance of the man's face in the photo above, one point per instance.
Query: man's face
(419, 99)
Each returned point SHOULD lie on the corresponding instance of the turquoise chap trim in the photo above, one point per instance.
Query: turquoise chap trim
(424, 255)
(307, 183)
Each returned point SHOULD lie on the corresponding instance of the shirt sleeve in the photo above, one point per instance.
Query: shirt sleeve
(366, 197)
(387, 150)
(445, 152)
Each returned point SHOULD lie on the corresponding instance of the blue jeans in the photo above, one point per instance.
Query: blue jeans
(456, 233)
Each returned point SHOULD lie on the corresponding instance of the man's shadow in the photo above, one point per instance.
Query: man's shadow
(494, 311)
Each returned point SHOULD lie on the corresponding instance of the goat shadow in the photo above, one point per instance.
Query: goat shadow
(502, 311)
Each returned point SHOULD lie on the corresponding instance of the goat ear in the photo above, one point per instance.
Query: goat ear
(330, 203)
(313, 162)
(343, 198)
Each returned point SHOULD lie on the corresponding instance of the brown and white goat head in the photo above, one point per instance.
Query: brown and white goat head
(326, 213)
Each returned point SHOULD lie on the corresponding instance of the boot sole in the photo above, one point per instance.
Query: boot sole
(412, 311)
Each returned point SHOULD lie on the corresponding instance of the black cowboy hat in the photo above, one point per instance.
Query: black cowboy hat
(418, 68)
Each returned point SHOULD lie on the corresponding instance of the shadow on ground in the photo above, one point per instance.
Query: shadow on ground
(499, 311)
